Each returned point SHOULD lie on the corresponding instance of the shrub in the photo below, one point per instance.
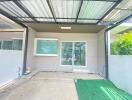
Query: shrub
(123, 45)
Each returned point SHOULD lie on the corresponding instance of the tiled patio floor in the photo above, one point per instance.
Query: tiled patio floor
(46, 86)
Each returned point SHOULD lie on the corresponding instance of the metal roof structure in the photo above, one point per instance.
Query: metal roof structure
(67, 11)
(6, 23)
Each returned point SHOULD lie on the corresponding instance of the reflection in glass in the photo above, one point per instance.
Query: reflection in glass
(17, 44)
(79, 51)
(73, 53)
(66, 53)
(7, 45)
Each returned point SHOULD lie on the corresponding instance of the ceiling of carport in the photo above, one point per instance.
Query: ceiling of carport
(95, 12)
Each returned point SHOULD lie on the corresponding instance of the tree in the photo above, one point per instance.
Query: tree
(123, 45)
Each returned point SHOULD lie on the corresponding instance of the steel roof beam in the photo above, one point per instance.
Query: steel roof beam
(113, 7)
(17, 2)
(70, 0)
(24, 10)
(118, 23)
(50, 7)
(59, 18)
(80, 6)
(12, 18)
(66, 23)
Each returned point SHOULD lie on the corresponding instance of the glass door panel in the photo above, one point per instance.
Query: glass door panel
(79, 54)
(66, 53)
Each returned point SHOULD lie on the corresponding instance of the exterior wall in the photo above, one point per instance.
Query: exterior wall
(11, 61)
(53, 63)
(10, 35)
(30, 57)
(120, 71)
(101, 53)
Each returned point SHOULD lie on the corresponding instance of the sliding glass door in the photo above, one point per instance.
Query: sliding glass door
(79, 52)
(73, 53)
(66, 53)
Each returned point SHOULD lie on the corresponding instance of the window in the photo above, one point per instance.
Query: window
(46, 47)
(13, 44)
(17, 44)
(7, 44)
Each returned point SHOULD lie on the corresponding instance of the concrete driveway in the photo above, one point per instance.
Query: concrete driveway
(45, 86)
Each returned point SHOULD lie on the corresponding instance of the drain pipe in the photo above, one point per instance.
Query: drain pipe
(25, 50)
(106, 55)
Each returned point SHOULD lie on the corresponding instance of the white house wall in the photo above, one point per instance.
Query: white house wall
(11, 61)
(11, 35)
(120, 71)
(10, 65)
(30, 57)
(120, 68)
(101, 53)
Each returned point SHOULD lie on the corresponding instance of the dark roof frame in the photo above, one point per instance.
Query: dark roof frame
(53, 14)
(69, 0)
(80, 6)
(12, 18)
(113, 7)
(24, 9)
(50, 7)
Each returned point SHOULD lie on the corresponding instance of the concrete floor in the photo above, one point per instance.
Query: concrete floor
(45, 86)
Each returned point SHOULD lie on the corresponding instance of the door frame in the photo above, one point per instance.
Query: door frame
(74, 66)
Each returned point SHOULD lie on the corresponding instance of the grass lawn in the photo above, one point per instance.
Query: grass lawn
(100, 90)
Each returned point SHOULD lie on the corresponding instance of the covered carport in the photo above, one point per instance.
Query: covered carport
(86, 20)
(88, 14)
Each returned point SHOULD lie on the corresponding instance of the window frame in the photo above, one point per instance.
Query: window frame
(35, 47)
(18, 39)
(2, 41)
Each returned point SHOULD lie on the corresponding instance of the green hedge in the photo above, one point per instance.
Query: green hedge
(123, 45)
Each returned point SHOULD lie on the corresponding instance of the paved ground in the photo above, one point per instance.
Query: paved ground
(45, 86)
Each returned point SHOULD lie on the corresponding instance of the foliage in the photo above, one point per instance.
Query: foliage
(123, 45)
